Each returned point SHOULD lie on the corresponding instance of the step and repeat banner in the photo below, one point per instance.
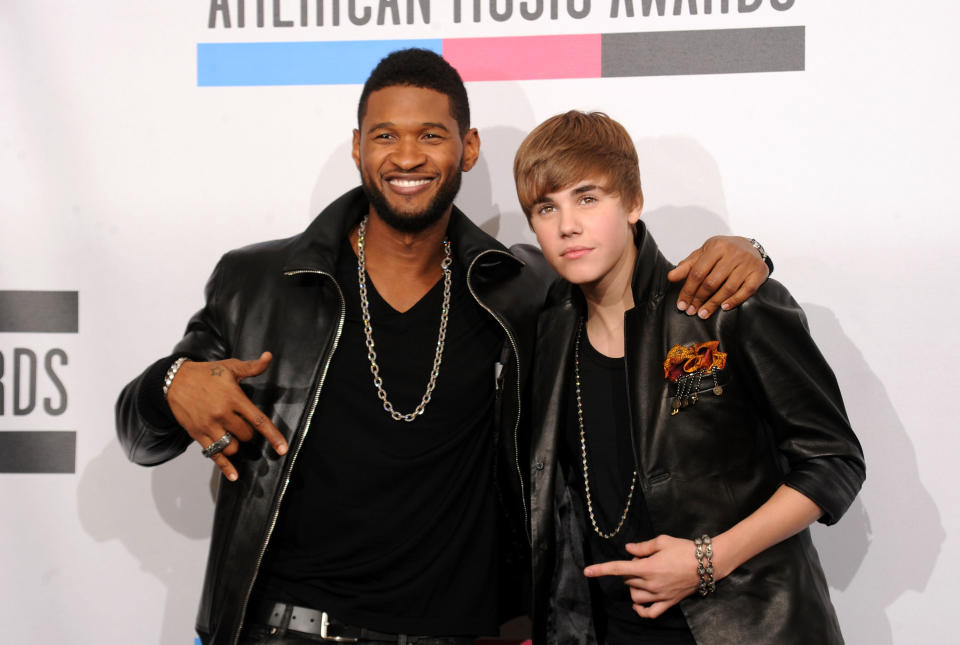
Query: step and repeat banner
(141, 140)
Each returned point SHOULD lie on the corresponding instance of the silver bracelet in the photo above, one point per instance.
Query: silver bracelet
(168, 379)
(705, 565)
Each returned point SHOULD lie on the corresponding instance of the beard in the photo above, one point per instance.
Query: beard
(418, 221)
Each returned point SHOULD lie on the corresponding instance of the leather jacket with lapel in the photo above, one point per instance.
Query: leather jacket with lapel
(281, 296)
(780, 420)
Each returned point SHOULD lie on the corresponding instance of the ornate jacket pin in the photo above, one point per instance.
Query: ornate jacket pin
(687, 365)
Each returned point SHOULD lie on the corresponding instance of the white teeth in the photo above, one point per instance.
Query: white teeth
(409, 182)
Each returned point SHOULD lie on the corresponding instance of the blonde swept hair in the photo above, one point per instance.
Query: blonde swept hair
(574, 146)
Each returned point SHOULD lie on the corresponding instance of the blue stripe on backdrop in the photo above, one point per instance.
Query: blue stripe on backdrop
(296, 63)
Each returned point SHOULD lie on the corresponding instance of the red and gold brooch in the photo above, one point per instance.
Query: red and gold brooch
(686, 366)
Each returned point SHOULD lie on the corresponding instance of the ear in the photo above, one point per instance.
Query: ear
(633, 216)
(471, 149)
(356, 148)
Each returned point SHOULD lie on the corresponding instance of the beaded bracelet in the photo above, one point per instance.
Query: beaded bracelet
(705, 565)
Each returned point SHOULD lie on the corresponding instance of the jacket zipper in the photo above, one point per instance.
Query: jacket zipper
(516, 359)
(303, 436)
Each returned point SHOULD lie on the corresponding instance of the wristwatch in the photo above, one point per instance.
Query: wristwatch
(763, 253)
(759, 248)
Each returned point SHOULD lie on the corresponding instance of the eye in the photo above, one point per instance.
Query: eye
(587, 199)
(433, 137)
(544, 209)
(382, 136)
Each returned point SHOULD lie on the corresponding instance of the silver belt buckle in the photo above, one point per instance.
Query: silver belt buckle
(324, 623)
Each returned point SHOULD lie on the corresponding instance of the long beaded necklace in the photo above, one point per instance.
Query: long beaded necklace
(583, 451)
(368, 329)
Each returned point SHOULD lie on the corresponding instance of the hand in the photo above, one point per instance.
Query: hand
(723, 273)
(662, 572)
(207, 401)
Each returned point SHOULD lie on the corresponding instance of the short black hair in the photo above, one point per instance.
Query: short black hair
(419, 68)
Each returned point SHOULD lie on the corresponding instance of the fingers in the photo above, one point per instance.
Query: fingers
(653, 610)
(661, 574)
(224, 464)
(641, 596)
(246, 369)
(747, 288)
(680, 271)
(257, 420)
(722, 273)
(221, 458)
(635, 568)
(642, 549)
(243, 419)
(696, 287)
(715, 280)
(207, 401)
(627, 568)
(722, 293)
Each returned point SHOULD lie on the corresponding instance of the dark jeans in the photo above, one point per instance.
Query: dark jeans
(262, 635)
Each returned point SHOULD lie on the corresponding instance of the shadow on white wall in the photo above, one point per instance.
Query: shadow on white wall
(114, 503)
(889, 541)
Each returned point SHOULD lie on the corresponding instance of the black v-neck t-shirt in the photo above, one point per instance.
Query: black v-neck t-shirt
(610, 459)
(386, 524)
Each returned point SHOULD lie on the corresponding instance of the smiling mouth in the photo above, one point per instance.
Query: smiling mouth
(408, 183)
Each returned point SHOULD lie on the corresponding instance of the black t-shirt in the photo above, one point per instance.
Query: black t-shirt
(606, 421)
(387, 524)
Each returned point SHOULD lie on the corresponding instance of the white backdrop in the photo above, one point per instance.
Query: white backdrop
(123, 181)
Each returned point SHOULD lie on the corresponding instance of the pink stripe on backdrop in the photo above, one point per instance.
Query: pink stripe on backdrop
(523, 58)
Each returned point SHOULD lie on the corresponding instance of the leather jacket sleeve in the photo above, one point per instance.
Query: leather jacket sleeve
(147, 430)
(802, 401)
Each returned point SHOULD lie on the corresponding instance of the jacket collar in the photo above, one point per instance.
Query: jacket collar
(649, 272)
(317, 248)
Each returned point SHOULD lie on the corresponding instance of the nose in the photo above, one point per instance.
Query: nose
(407, 154)
(568, 222)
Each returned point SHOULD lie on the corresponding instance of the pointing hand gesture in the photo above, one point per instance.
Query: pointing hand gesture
(206, 399)
(663, 572)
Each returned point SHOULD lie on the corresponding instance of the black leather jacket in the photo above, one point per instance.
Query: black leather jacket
(282, 296)
(779, 420)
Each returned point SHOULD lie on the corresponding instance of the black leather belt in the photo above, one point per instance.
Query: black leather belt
(290, 618)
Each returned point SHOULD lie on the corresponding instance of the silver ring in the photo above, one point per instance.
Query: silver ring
(217, 446)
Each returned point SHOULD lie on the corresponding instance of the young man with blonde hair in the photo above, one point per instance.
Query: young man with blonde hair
(676, 462)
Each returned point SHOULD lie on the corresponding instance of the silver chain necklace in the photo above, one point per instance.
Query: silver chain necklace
(368, 330)
(583, 452)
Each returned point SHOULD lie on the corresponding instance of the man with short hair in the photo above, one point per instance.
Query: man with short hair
(678, 462)
(375, 452)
